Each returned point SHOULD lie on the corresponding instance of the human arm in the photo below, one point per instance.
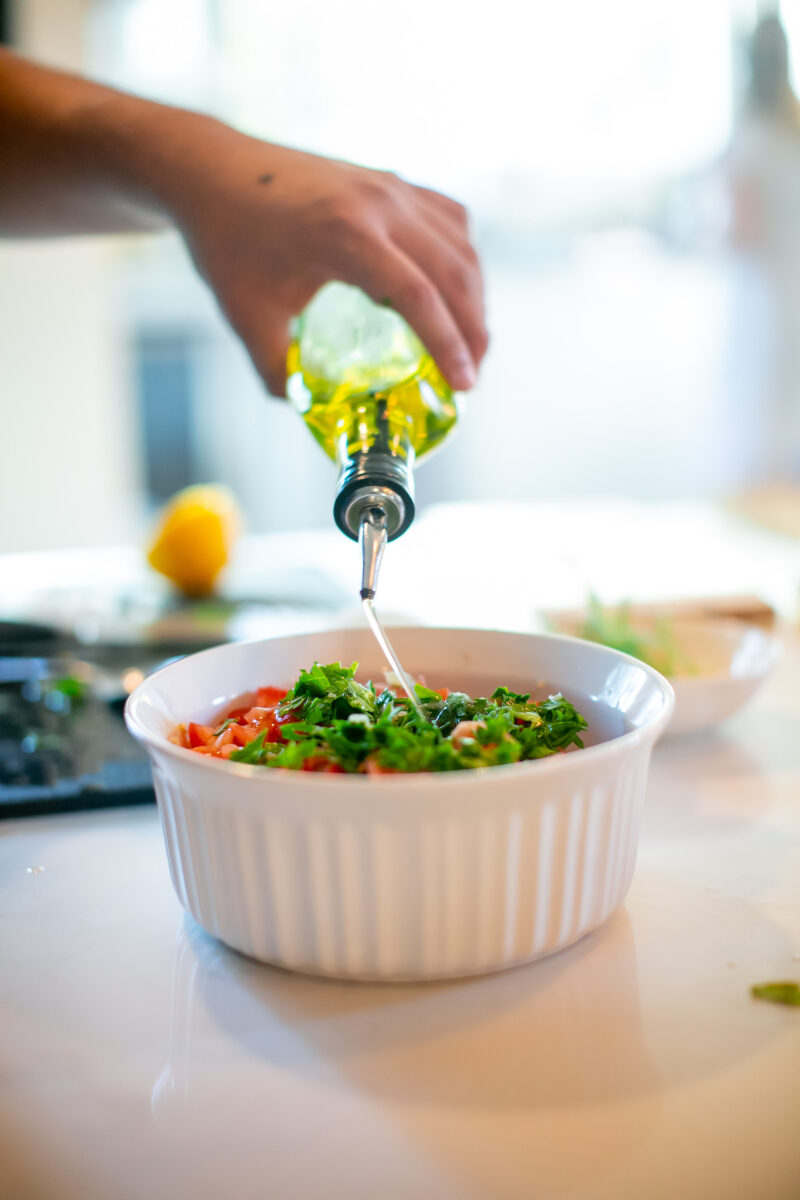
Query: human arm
(266, 225)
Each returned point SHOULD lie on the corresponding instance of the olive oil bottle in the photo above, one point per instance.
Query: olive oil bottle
(372, 397)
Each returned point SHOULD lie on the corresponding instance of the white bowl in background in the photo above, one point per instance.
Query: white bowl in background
(417, 876)
(729, 661)
(722, 663)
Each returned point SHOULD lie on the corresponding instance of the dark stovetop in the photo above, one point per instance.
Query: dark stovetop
(63, 741)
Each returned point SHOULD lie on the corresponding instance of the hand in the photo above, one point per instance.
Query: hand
(268, 226)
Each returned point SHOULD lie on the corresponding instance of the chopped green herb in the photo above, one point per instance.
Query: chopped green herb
(252, 751)
(341, 724)
(786, 992)
(74, 689)
(224, 726)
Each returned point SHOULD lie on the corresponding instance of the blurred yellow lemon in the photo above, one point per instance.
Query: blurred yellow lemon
(195, 535)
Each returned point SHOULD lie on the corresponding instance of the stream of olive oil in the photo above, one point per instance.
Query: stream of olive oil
(408, 419)
(403, 678)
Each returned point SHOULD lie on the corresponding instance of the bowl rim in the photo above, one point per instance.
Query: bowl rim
(772, 647)
(648, 732)
(731, 630)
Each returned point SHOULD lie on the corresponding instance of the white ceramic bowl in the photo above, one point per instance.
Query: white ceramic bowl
(722, 664)
(406, 876)
(729, 660)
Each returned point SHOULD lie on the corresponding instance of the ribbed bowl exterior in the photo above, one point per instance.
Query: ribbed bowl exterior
(405, 877)
(459, 891)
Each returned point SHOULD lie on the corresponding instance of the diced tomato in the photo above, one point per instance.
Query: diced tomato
(265, 719)
(199, 735)
(236, 714)
(371, 767)
(224, 739)
(241, 725)
(241, 735)
(258, 716)
(318, 763)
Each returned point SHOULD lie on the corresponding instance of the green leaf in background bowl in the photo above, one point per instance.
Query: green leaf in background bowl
(614, 627)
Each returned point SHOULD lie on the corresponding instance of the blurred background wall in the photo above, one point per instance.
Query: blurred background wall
(634, 217)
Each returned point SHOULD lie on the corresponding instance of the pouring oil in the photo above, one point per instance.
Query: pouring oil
(376, 402)
(372, 539)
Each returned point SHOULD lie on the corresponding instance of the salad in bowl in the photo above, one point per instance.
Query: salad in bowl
(336, 831)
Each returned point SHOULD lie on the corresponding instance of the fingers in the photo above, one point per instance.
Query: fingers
(399, 243)
(456, 273)
(391, 274)
(444, 206)
(436, 235)
(433, 231)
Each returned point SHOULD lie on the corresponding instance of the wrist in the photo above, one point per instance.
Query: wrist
(146, 151)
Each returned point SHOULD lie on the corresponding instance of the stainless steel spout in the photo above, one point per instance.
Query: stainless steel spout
(372, 535)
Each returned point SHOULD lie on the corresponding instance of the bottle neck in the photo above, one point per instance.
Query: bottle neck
(372, 479)
(375, 470)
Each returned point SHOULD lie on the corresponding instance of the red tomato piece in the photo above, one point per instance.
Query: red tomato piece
(268, 697)
(224, 739)
(242, 734)
(319, 764)
(199, 735)
(259, 719)
(371, 767)
(259, 716)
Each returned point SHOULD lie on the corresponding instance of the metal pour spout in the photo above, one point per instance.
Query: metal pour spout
(372, 536)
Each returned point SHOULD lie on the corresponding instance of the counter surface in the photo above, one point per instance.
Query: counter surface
(140, 1058)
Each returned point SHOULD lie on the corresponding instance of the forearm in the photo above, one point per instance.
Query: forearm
(76, 157)
(266, 225)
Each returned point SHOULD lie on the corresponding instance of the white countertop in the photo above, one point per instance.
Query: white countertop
(470, 565)
(139, 1058)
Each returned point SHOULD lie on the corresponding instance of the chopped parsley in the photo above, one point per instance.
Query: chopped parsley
(785, 992)
(329, 720)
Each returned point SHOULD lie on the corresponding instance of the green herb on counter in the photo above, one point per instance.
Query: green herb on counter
(786, 992)
(74, 689)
